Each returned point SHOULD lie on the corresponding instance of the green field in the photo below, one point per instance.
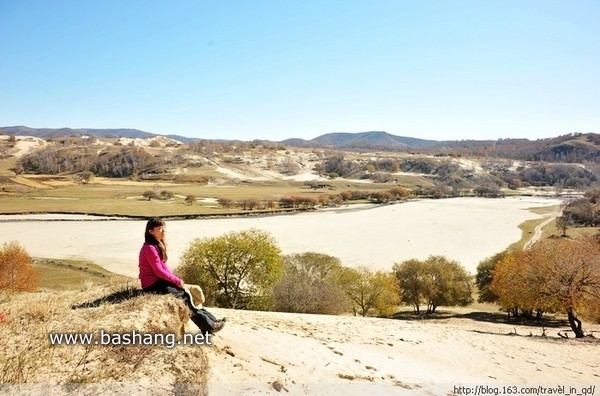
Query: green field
(68, 274)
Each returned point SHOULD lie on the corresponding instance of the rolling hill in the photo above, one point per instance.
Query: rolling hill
(568, 148)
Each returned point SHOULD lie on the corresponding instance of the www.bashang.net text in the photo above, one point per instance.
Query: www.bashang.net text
(133, 337)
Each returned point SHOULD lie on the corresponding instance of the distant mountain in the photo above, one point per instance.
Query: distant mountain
(572, 147)
(340, 140)
(98, 133)
(362, 140)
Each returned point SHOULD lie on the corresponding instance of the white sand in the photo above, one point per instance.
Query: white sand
(464, 229)
(336, 355)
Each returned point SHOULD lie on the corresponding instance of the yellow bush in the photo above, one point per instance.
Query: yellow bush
(16, 272)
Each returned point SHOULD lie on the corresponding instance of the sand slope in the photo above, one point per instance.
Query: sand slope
(317, 354)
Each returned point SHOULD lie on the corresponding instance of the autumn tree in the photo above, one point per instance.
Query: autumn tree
(409, 275)
(483, 278)
(399, 192)
(237, 269)
(515, 183)
(434, 282)
(16, 272)
(248, 203)
(346, 195)
(369, 292)
(150, 194)
(190, 198)
(166, 194)
(308, 285)
(381, 196)
(226, 203)
(447, 283)
(518, 284)
(554, 274)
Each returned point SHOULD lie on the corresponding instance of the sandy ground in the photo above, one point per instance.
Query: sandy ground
(258, 353)
(464, 229)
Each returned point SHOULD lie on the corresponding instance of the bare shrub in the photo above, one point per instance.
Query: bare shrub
(308, 285)
(166, 194)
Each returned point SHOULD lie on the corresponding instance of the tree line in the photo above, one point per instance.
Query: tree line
(246, 270)
(445, 172)
(116, 162)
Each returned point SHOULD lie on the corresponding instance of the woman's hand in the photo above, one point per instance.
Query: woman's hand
(182, 285)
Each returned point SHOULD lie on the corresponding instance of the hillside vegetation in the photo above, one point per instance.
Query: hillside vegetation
(137, 176)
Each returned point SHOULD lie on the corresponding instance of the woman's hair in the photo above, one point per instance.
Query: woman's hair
(160, 245)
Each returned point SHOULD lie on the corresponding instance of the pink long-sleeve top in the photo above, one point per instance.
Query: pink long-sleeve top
(152, 267)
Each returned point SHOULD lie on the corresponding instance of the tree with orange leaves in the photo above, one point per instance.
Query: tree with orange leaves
(16, 272)
(560, 275)
(518, 284)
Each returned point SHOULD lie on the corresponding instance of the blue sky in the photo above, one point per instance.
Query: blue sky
(442, 70)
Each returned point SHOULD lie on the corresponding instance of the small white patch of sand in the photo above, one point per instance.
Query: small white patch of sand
(25, 144)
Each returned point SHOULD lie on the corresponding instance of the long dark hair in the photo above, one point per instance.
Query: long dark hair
(150, 239)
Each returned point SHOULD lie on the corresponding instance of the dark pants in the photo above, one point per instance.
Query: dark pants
(201, 317)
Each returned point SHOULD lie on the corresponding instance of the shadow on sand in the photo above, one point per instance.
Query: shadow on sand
(113, 298)
(491, 317)
(487, 317)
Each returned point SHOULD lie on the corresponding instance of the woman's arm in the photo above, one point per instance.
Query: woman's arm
(152, 257)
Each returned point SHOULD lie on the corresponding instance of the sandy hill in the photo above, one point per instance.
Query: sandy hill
(271, 353)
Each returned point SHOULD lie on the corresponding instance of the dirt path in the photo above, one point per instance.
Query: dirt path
(537, 233)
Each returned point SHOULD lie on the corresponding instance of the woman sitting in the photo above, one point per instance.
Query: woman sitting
(156, 277)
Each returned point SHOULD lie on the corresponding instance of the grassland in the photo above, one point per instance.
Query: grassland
(43, 194)
(68, 274)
